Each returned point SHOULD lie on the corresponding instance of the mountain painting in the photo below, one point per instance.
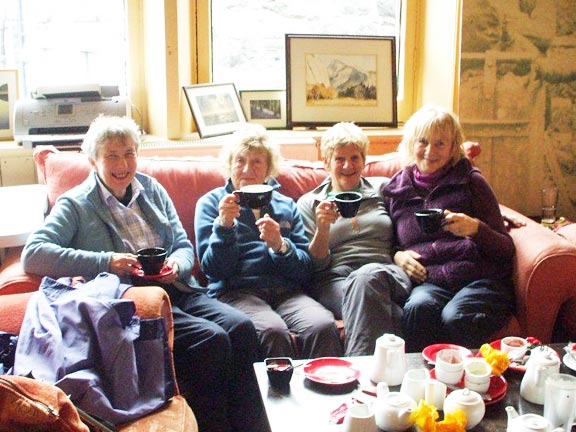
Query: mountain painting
(340, 80)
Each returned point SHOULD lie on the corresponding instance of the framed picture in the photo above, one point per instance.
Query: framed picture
(8, 96)
(216, 108)
(330, 79)
(267, 107)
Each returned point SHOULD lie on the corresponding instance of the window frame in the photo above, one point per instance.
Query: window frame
(406, 65)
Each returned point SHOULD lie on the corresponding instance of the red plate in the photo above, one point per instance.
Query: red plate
(496, 391)
(429, 353)
(138, 272)
(331, 370)
(513, 365)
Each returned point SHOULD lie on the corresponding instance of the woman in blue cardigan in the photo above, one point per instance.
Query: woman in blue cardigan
(99, 225)
(462, 288)
(257, 259)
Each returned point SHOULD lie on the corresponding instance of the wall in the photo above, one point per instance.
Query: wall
(518, 97)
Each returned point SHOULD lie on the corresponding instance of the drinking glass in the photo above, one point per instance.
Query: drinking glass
(549, 206)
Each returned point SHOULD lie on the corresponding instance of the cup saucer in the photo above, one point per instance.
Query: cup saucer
(138, 272)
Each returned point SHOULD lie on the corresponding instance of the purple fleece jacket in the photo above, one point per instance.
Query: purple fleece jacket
(452, 262)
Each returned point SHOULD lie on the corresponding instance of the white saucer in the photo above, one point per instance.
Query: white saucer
(569, 361)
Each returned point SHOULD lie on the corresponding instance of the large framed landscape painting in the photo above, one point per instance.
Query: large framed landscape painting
(340, 78)
(8, 95)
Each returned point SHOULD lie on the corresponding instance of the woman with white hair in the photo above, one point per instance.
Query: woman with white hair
(354, 275)
(258, 261)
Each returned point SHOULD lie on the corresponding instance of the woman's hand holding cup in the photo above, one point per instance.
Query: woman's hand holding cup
(228, 210)
(326, 214)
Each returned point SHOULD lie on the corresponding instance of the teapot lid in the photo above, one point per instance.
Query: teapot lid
(391, 340)
(547, 359)
(466, 396)
(534, 421)
(398, 400)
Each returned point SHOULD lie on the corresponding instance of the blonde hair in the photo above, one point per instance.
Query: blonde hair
(426, 122)
(251, 137)
(342, 134)
(105, 128)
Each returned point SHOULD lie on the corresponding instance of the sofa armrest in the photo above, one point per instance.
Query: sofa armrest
(544, 275)
(13, 279)
(153, 302)
(568, 232)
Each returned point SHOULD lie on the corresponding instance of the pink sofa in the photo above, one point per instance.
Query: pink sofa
(544, 267)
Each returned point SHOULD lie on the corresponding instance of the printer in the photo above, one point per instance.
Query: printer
(60, 116)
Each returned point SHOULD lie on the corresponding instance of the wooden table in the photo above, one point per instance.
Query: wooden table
(306, 406)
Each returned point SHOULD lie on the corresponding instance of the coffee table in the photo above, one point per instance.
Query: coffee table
(306, 405)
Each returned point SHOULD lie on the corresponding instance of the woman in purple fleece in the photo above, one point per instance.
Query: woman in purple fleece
(463, 291)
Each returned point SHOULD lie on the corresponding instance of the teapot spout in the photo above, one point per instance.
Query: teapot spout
(512, 414)
(404, 415)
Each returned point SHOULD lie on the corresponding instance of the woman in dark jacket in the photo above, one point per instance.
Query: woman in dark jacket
(463, 292)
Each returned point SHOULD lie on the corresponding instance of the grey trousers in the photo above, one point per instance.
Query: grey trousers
(368, 299)
(279, 313)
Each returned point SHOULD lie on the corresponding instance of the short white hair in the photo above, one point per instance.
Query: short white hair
(340, 135)
(105, 128)
(250, 137)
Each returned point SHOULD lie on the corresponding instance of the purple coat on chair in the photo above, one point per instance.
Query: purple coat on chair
(451, 261)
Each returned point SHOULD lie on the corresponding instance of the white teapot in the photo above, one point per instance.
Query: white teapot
(389, 360)
(528, 422)
(468, 401)
(392, 410)
(538, 368)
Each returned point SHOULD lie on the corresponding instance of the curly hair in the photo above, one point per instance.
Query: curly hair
(104, 128)
(248, 137)
(342, 134)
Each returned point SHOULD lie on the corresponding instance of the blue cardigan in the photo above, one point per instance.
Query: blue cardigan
(80, 235)
(237, 258)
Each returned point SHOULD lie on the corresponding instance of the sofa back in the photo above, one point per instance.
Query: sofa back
(187, 179)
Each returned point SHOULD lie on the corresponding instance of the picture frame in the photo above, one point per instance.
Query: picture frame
(334, 78)
(216, 108)
(8, 96)
(266, 107)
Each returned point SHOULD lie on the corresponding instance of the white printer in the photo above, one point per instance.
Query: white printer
(61, 115)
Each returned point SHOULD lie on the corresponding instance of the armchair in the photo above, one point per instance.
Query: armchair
(151, 302)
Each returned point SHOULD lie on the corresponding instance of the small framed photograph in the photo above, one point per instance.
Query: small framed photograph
(216, 108)
(8, 96)
(332, 78)
(267, 107)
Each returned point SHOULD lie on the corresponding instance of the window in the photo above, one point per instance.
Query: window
(248, 36)
(63, 42)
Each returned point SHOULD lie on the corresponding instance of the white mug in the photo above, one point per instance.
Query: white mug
(514, 346)
(359, 418)
(449, 366)
(414, 383)
(435, 393)
(560, 400)
(477, 373)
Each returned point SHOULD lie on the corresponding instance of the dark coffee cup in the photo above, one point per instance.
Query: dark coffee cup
(152, 260)
(254, 196)
(430, 220)
(279, 370)
(348, 203)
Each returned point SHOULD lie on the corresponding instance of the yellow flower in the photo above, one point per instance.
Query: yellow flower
(454, 421)
(425, 416)
(499, 360)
